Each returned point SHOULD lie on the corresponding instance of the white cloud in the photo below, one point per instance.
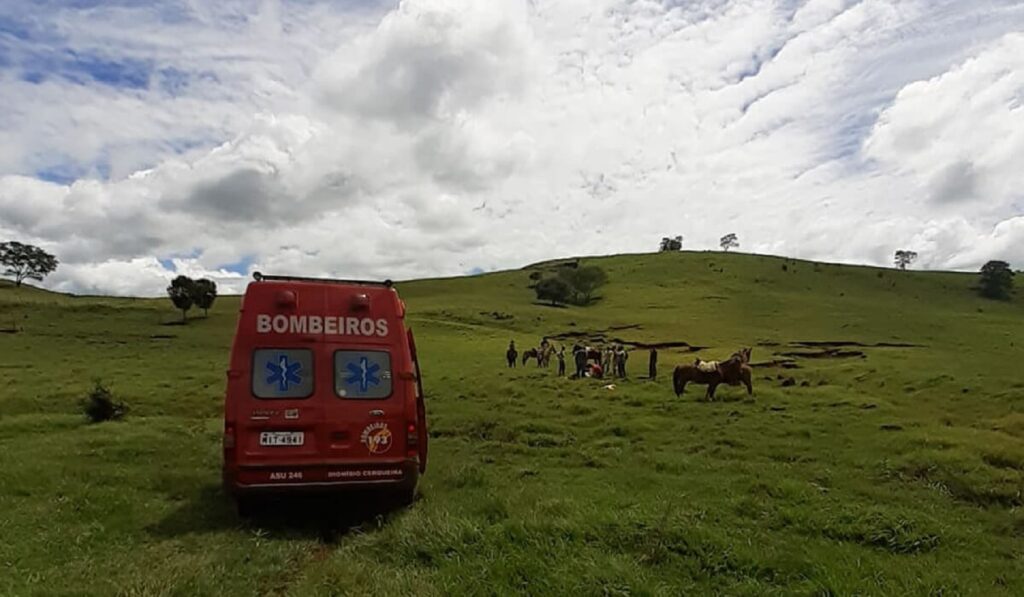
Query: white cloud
(960, 135)
(135, 277)
(447, 135)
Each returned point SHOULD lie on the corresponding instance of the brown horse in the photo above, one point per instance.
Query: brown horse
(544, 355)
(531, 353)
(733, 372)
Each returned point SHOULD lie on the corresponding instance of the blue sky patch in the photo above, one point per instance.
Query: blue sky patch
(168, 262)
(128, 72)
(62, 169)
(61, 173)
(241, 266)
(10, 27)
(84, 68)
(173, 81)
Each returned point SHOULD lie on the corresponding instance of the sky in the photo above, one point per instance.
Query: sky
(414, 138)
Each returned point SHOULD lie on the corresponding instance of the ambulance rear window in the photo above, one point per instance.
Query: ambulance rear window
(282, 373)
(362, 374)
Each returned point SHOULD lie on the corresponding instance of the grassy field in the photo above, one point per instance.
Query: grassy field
(896, 471)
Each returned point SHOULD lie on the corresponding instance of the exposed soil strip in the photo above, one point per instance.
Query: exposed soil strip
(828, 353)
(846, 343)
(688, 347)
(599, 338)
(781, 363)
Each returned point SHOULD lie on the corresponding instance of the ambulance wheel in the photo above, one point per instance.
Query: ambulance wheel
(247, 507)
(405, 496)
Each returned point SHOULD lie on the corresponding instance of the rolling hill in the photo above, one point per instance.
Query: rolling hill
(891, 463)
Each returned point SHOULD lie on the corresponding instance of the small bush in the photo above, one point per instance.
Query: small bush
(99, 405)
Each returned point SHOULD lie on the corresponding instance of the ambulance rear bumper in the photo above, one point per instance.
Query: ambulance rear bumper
(310, 478)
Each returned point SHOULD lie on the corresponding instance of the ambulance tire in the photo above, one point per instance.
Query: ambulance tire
(246, 506)
(407, 497)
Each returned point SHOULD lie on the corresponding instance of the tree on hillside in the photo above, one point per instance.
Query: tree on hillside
(205, 292)
(904, 258)
(554, 290)
(23, 262)
(996, 280)
(729, 241)
(182, 293)
(583, 282)
(671, 244)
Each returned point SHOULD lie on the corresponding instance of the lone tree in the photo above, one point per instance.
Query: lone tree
(554, 290)
(26, 262)
(904, 258)
(729, 241)
(996, 280)
(204, 293)
(182, 293)
(583, 281)
(671, 244)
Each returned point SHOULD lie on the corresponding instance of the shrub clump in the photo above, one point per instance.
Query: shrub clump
(99, 405)
(574, 284)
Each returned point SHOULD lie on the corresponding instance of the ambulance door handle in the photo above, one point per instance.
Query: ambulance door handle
(376, 413)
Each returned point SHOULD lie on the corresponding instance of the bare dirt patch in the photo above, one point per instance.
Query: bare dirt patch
(604, 338)
(780, 363)
(847, 343)
(826, 353)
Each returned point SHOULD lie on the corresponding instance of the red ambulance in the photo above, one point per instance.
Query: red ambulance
(323, 391)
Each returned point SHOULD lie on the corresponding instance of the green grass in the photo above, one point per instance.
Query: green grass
(901, 472)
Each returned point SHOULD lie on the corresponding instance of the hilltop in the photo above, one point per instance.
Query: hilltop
(893, 464)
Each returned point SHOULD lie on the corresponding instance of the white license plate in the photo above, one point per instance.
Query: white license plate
(282, 438)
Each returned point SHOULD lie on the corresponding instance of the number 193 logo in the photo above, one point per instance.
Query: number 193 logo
(377, 438)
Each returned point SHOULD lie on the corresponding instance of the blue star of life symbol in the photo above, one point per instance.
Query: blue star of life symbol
(283, 373)
(363, 373)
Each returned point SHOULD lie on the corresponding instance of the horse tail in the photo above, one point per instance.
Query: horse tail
(678, 380)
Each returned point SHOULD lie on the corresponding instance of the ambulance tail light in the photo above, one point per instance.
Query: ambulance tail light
(412, 441)
(229, 437)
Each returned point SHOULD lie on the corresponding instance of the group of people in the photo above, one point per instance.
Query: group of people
(589, 362)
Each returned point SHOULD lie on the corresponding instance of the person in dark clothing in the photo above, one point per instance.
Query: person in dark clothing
(512, 355)
(561, 362)
(652, 366)
(580, 355)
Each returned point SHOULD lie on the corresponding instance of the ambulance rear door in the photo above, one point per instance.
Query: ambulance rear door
(282, 412)
(365, 413)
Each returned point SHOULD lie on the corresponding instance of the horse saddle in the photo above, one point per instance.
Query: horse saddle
(707, 366)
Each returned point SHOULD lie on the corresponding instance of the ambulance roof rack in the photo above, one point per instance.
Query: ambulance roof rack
(262, 278)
